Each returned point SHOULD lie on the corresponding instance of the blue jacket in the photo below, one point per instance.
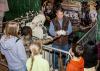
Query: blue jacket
(14, 52)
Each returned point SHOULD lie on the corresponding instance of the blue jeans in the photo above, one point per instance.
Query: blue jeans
(65, 47)
(21, 69)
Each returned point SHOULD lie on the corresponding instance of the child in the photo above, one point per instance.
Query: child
(76, 63)
(36, 62)
(12, 47)
(26, 36)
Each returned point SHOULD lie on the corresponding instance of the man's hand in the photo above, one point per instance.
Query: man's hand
(61, 32)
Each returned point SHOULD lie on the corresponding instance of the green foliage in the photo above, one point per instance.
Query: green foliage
(18, 8)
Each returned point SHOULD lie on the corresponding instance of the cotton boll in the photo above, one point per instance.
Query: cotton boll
(58, 33)
(63, 32)
(37, 29)
(40, 19)
(38, 32)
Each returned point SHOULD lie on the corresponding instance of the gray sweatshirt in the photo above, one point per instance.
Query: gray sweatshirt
(14, 52)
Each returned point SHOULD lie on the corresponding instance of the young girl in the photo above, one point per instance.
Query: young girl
(36, 62)
(77, 62)
(12, 47)
(26, 34)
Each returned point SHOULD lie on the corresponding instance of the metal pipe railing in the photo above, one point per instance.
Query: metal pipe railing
(48, 52)
(59, 50)
(88, 36)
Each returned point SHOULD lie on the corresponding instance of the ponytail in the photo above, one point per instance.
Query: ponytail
(32, 60)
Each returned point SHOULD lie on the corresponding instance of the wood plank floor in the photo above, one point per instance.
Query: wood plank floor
(3, 66)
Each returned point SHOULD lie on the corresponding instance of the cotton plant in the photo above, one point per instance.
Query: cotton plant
(37, 26)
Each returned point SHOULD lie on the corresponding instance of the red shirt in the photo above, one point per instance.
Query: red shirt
(75, 65)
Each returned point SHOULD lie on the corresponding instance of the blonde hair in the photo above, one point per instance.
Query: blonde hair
(11, 28)
(36, 48)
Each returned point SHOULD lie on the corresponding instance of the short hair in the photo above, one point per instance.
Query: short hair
(26, 30)
(91, 44)
(11, 28)
(78, 50)
(59, 8)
